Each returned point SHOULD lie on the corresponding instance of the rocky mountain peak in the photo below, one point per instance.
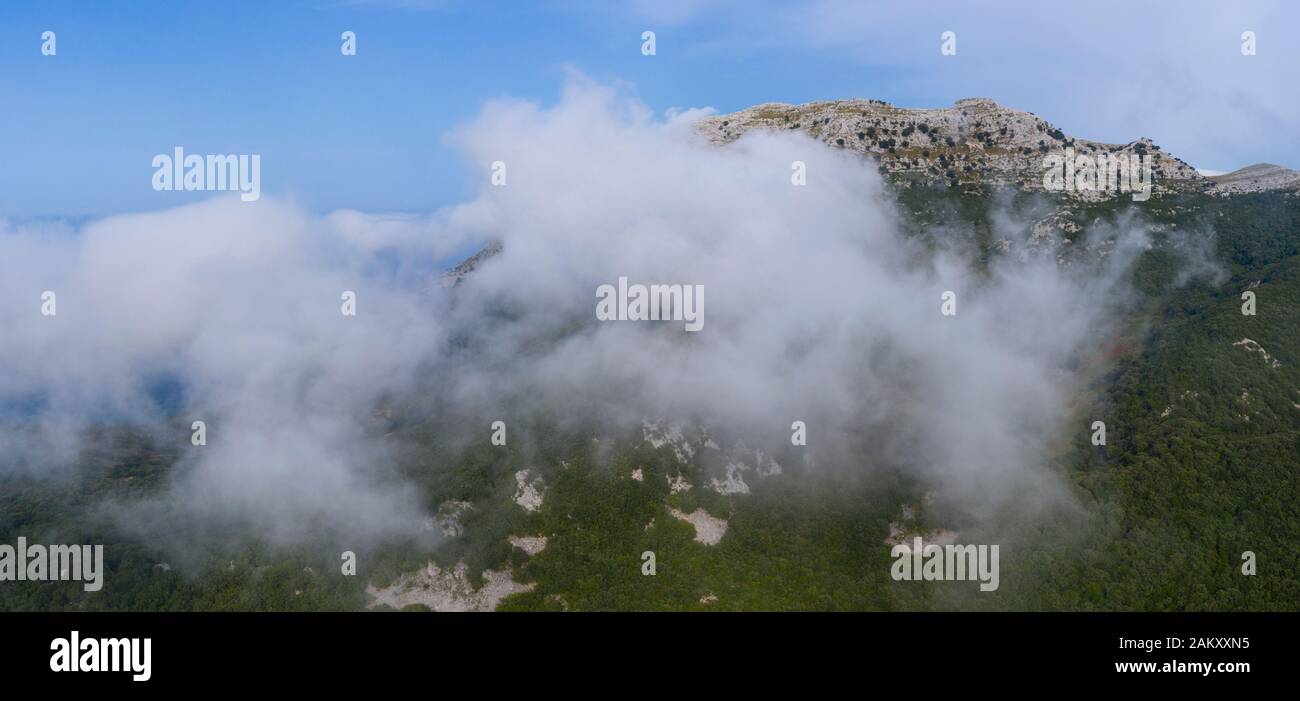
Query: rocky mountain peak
(974, 142)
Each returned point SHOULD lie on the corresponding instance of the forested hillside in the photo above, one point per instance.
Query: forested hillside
(1202, 464)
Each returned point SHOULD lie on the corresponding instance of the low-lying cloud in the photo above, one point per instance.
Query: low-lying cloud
(818, 310)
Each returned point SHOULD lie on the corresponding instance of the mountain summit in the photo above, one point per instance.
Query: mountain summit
(975, 142)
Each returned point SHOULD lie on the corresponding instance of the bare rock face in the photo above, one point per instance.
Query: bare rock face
(453, 277)
(446, 590)
(529, 544)
(1257, 178)
(528, 491)
(976, 141)
(708, 529)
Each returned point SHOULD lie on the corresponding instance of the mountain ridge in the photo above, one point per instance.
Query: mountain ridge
(912, 146)
(975, 142)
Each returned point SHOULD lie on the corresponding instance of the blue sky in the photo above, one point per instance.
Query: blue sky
(132, 79)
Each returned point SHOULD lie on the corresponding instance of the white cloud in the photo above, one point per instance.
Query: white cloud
(817, 309)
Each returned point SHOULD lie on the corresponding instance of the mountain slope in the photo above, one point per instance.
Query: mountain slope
(1260, 177)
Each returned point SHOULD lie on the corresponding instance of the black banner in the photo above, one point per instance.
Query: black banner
(217, 650)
